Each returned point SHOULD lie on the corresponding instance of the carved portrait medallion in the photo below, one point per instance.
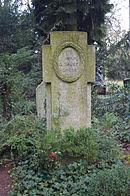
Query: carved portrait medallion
(69, 62)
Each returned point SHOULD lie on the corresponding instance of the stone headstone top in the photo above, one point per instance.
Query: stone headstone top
(68, 69)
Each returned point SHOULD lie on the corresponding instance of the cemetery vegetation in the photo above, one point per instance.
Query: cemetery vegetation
(89, 161)
(86, 162)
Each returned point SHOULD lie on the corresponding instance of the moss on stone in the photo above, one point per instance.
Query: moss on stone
(71, 94)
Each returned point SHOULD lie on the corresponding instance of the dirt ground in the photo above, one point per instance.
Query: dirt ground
(5, 179)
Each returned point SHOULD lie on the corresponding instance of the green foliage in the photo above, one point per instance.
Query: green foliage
(20, 136)
(22, 99)
(78, 157)
(108, 148)
(71, 15)
(68, 148)
(27, 181)
(118, 59)
(6, 70)
(111, 112)
(83, 161)
(23, 136)
(72, 180)
(115, 181)
(19, 70)
(115, 102)
(21, 130)
(122, 131)
(113, 55)
(8, 19)
(16, 27)
(18, 81)
(75, 179)
(70, 145)
(108, 121)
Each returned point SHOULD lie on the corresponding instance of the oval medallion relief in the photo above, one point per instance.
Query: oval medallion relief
(69, 62)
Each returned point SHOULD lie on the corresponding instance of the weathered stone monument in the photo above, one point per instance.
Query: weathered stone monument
(64, 96)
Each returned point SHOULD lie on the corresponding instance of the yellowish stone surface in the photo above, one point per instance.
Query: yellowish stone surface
(68, 71)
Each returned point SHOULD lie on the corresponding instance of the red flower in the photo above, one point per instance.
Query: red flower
(52, 155)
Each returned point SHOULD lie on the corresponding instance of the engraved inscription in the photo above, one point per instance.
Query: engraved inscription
(69, 61)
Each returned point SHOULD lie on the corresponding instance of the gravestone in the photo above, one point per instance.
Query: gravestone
(41, 101)
(126, 82)
(68, 71)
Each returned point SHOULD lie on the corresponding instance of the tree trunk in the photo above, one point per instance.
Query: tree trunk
(70, 20)
(5, 101)
(6, 3)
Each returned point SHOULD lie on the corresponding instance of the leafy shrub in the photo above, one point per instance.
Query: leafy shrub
(111, 112)
(77, 181)
(111, 123)
(109, 120)
(25, 136)
(108, 148)
(20, 136)
(85, 144)
(80, 144)
(113, 182)
(122, 131)
(78, 156)
(23, 107)
(67, 148)
(115, 102)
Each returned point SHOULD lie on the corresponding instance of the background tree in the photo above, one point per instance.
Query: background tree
(113, 55)
(19, 69)
(78, 15)
(17, 27)
(118, 60)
